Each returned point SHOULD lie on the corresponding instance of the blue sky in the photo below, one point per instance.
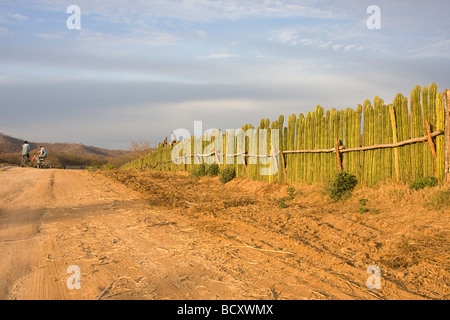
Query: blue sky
(140, 69)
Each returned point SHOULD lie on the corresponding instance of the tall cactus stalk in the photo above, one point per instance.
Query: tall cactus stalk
(365, 155)
(280, 144)
(416, 132)
(358, 142)
(440, 141)
(305, 141)
(317, 142)
(291, 140)
(386, 172)
(346, 161)
(323, 145)
(428, 169)
(328, 161)
(371, 142)
(378, 165)
(401, 135)
(406, 135)
(310, 145)
(297, 145)
(270, 151)
(432, 92)
(394, 135)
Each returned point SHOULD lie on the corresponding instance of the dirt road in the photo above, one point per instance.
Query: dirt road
(137, 235)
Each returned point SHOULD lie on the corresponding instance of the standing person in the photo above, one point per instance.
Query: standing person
(174, 139)
(25, 153)
(42, 154)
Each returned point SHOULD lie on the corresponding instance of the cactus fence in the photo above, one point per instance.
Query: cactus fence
(376, 142)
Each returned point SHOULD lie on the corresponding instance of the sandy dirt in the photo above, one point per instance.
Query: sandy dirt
(148, 235)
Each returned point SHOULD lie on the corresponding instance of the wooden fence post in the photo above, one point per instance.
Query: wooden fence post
(243, 161)
(284, 165)
(432, 146)
(338, 155)
(217, 157)
(447, 135)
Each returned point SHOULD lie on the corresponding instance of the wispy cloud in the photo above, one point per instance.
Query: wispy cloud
(133, 37)
(50, 36)
(220, 56)
(292, 37)
(19, 17)
(199, 10)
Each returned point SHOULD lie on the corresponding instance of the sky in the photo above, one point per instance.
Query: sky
(138, 70)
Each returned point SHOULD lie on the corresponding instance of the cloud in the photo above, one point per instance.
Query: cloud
(133, 37)
(19, 17)
(430, 49)
(220, 56)
(287, 36)
(291, 37)
(50, 36)
(197, 10)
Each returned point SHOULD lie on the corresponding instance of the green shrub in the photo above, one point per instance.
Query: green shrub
(213, 170)
(283, 205)
(199, 171)
(363, 210)
(423, 183)
(291, 192)
(362, 202)
(342, 185)
(227, 174)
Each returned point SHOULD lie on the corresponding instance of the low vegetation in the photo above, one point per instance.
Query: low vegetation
(212, 170)
(342, 185)
(198, 171)
(227, 174)
(423, 183)
(283, 202)
(363, 207)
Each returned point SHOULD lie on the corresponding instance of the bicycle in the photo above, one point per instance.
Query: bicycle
(35, 164)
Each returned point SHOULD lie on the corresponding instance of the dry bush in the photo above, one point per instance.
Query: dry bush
(10, 158)
(139, 148)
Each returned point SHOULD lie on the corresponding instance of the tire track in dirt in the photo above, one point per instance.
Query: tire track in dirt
(21, 213)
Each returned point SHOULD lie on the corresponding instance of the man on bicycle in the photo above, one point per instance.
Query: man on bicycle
(25, 153)
(41, 155)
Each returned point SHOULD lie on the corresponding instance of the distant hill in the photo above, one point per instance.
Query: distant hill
(62, 153)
